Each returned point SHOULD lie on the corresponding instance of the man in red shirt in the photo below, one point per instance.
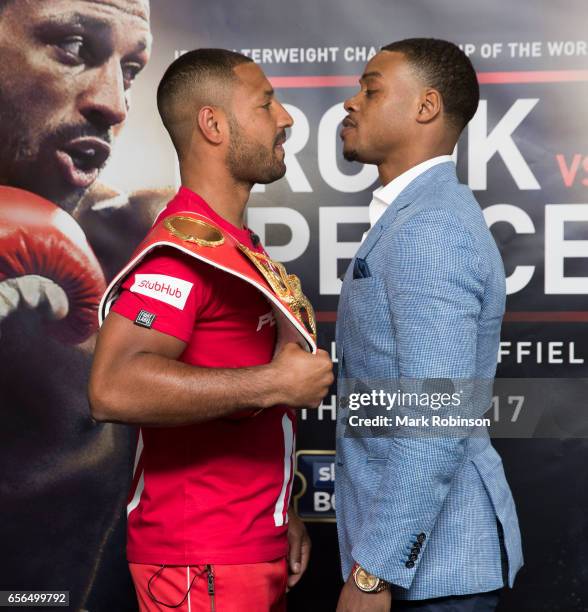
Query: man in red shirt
(187, 353)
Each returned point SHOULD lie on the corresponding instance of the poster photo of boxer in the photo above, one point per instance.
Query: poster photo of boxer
(86, 165)
(66, 75)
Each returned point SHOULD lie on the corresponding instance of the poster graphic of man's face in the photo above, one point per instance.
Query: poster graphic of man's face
(65, 78)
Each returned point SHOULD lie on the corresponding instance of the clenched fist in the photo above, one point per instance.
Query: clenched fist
(303, 378)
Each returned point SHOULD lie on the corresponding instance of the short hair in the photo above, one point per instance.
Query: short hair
(445, 67)
(193, 80)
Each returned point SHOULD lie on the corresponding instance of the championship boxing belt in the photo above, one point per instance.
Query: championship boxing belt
(199, 237)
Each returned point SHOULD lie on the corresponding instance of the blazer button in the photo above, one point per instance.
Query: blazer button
(413, 557)
(415, 550)
(409, 564)
(421, 538)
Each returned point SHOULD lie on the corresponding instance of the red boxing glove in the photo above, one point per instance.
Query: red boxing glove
(37, 237)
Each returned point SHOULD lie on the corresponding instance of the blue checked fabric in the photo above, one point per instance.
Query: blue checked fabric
(423, 513)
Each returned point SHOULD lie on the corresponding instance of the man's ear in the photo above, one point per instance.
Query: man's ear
(212, 124)
(430, 105)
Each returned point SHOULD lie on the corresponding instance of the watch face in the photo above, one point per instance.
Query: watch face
(365, 581)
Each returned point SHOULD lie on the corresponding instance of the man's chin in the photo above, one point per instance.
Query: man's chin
(276, 172)
(351, 155)
(65, 197)
(48, 185)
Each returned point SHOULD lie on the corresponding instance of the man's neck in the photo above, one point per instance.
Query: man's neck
(399, 161)
(226, 197)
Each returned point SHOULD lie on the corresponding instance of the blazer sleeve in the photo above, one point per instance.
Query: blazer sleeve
(435, 291)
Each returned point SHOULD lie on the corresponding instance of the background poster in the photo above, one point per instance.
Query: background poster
(64, 478)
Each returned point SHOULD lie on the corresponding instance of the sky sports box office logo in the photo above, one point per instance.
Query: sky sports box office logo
(315, 499)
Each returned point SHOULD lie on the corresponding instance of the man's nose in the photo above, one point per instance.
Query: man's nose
(285, 120)
(350, 104)
(104, 101)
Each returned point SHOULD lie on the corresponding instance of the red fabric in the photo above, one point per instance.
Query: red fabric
(258, 587)
(215, 492)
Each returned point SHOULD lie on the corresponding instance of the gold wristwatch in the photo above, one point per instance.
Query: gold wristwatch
(366, 582)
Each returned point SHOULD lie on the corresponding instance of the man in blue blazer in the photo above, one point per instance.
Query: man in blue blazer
(426, 521)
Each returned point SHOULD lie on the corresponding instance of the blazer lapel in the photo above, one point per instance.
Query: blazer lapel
(440, 172)
(370, 240)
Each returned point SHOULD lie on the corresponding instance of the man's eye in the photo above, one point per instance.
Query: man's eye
(267, 106)
(370, 92)
(131, 70)
(72, 45)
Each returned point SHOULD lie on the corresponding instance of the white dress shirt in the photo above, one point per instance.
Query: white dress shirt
(384, 196)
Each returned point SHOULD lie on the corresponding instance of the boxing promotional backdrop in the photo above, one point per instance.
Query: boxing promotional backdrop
(91, 143)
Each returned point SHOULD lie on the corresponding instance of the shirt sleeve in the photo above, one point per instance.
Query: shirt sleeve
(169, 287)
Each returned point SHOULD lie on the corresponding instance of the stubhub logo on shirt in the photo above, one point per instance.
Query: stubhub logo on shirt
(173, 291)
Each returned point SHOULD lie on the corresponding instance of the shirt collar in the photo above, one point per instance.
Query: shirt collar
(385, 195)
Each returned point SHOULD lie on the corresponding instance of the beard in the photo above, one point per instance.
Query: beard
(351, 155)
(351, 152)
(363, 154)
(251, 162)
(27, 155)
(15, 140)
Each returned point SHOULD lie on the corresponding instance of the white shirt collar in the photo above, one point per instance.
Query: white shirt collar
(385, 195)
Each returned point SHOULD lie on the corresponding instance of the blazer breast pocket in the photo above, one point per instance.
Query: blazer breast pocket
(362, 290)
(368, 325)
(364, 286)
(368, 302)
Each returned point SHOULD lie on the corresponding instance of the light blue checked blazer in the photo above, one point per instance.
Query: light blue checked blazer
(431, 308)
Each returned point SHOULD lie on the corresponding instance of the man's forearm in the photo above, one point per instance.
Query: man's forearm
(154, 390)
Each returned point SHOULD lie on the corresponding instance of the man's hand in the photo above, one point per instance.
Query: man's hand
(298, 549)
(303, 379)
(353, 599)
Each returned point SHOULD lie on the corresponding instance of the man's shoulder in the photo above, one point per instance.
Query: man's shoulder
(139, 208)
(453, 196)
(447, 205)
(115, 222)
